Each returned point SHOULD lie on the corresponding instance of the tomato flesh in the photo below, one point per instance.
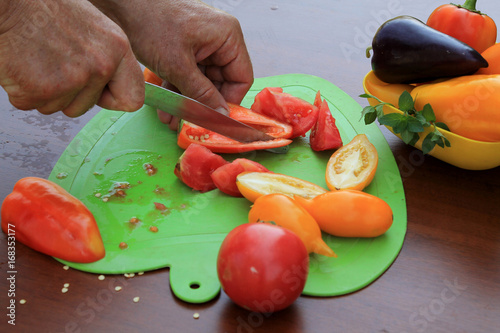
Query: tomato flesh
(353, 166)
(324, 135)
(196, 165)
(275, 103)
(217, 143)
(262, 267)
(225, 176)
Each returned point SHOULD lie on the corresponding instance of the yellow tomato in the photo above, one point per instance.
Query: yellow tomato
(256, 184)
(353, 165)
(349, 213)
(285, 212)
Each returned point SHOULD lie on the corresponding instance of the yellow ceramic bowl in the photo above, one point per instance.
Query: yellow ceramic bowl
(463, 153)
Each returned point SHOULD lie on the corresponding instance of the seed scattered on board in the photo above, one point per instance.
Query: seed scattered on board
(196, 315)
(136, 299)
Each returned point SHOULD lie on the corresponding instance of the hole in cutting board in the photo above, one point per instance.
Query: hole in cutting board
(194, 285)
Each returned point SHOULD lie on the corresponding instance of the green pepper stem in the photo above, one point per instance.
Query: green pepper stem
(470, 5)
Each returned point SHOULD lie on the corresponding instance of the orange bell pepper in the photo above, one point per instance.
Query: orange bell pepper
(492, 56)
(45, 217)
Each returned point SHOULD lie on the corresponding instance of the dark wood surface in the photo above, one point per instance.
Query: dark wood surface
(446, 278)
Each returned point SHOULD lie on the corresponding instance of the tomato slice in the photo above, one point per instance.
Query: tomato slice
(275, 103)
(196, 165)
(253, 185)
(352, 166)
(225, 176)
(324, 135)
(217, 143)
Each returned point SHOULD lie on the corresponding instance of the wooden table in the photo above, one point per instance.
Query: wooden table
(446, 278)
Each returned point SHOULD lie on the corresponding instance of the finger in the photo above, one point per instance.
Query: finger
(84, 101)
(164, 117)
(174, 123)
(192, 83)
(125, 90)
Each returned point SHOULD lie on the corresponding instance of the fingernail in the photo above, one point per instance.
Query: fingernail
(222, 110)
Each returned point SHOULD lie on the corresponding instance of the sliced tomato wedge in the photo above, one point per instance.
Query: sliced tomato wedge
(217, 143)
(196, 165)
(286, 108)
(225, 176)
(324, 135)
(253, 185)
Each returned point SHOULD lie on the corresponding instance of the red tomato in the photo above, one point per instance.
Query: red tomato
(324, 134)
(196, 165)
(262, 267)
(275, 103)
(225, 176)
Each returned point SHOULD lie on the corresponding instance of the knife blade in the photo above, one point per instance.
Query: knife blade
(199, 114)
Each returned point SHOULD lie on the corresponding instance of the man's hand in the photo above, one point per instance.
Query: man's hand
(195, 48)
(66, 56)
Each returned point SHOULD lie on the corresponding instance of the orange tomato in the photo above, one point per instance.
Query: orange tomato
(349, 213)
(151, 77)
(256, 184)
(492, 56)
(352, 166)
(285, 212)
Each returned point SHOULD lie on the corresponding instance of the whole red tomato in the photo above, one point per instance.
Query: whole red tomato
(262, 267)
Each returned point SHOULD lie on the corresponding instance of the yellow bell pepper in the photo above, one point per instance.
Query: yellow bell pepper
(386, 92)
(468, 105)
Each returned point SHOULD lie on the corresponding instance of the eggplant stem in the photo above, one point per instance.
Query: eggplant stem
(368, 49)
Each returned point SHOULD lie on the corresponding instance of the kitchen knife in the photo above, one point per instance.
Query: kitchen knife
(193, 111)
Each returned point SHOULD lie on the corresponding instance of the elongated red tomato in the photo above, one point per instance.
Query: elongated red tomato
(286, 108)
(225, 176)
(262, 267)
(217, 143)
(196, 165)
(44, 216)
(324, 135)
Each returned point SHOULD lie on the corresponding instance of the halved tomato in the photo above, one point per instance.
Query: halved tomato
(253, 185)
(286, 108)
(217, 143)
(225, 176)
(324, 135)
(352, 166)
(196, 165)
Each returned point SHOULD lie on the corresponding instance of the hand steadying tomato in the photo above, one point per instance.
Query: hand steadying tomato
(262, 267)
(48, 219)
(466, 24)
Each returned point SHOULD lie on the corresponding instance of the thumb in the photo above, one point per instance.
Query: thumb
(125, 90)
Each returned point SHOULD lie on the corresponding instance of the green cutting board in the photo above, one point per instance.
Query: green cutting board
(114, 147)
